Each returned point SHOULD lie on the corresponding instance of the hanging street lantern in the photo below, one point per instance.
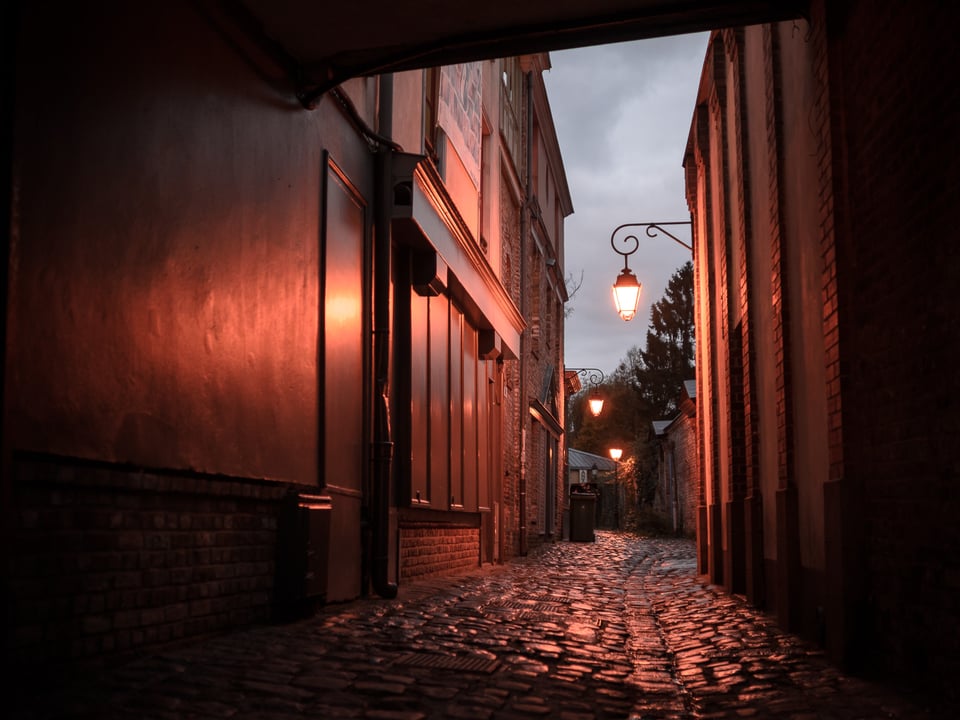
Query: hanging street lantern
(626, 293)
(626, 290)
(593, 377)
(595, 402)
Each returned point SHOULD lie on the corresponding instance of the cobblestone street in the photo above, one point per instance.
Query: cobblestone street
(622, 628)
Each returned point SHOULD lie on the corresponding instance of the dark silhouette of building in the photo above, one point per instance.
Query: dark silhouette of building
(822, 180)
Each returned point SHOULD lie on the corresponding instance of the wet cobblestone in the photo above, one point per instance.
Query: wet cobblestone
(623, 628)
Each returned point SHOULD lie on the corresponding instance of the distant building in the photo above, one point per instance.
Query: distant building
(595, 474)
(678, 474)
(586, 467)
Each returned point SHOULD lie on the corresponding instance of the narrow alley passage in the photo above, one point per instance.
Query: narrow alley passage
(622, 628)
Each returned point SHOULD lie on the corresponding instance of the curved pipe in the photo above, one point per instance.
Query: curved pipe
(382, 435)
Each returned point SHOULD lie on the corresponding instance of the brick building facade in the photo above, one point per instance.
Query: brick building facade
(533, 261)
(823, 195)
(256, 355)
(678, 469)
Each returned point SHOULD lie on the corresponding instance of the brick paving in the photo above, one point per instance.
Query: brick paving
(623, 628)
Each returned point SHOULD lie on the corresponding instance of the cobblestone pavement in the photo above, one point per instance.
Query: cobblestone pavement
(622, 628)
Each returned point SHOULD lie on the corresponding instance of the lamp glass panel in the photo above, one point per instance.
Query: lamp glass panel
(596, 405)
(626, 294)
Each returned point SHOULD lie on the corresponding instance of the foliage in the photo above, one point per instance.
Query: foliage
(573, 287)
(658, 371)
(645, 522)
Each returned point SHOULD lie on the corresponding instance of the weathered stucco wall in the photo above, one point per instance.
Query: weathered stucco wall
(804, 270)
(164, 270)
(163, 384)
(897, 267)
(761, 270)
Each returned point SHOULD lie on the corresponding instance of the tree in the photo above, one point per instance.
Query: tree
(658, 371)
(572, 289)
(644, 387)
(656, 374)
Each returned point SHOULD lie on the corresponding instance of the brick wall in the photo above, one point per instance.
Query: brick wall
(428, 549)
(510, 527)
(110, 561)
(899, 326)
(681, 444)
(879, 115)
(512, 417)
(688, 472)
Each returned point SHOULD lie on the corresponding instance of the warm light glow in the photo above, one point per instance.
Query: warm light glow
(626, 294)
(616, 454)
(595, 402)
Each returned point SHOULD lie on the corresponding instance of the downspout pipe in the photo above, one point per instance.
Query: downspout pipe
(382, 450)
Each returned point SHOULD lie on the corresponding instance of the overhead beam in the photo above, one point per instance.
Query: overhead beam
(332, 45)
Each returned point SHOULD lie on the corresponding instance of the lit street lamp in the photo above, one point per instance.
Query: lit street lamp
(626, 290)
(615, 455)
(594, 377)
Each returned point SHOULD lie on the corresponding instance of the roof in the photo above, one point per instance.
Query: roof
(660, 426)
(690, 388)
(580, 460)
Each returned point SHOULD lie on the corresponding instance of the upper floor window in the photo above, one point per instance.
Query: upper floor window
(431, 101)
(511, 110)
(513, 81)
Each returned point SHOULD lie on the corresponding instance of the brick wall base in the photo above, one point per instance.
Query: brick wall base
(429, 549)
(108, 560)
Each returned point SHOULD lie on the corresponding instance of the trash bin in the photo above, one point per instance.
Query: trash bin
(582, 508)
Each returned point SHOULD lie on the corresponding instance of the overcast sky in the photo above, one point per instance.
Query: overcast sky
(622, 114)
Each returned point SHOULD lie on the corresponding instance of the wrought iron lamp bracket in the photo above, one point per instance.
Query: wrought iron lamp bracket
(652, 230)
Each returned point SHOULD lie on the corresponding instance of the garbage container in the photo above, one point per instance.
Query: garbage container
(582, 509)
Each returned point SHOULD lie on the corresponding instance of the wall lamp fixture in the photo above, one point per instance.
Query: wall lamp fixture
(626, 290)
(593, 377)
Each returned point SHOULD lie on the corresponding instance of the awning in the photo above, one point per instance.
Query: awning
(429, 223)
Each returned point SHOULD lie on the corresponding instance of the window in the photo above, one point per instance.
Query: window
(431, 104)
(485, 197)
(451, 406)
(511, 111)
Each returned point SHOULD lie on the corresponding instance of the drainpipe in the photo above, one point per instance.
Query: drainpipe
(524, 246)
(382, 450)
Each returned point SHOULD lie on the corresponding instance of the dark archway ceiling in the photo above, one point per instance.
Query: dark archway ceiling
(332, 41)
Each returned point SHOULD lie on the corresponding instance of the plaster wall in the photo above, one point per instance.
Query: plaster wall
(705, 360)
(760, 291)
(896, 120)
(718, 301)
(465, 195)
(804, 268)
(408, 110)
(734, 194)
(164, 260)
(183, 233)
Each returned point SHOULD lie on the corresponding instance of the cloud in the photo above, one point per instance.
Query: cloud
(622, 114)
